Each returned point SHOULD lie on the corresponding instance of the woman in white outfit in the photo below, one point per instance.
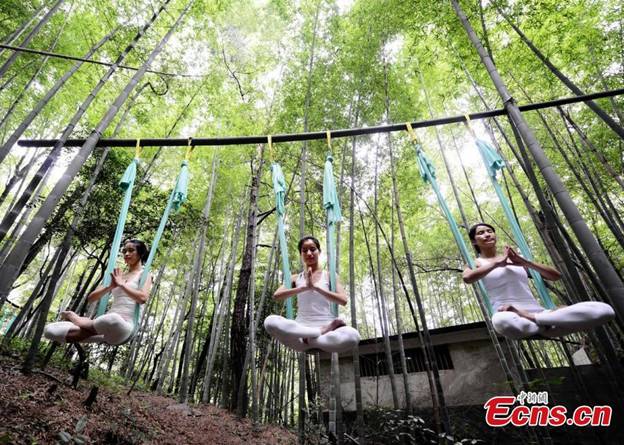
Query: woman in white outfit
(116, 325)
(517, 313)
(315, 327)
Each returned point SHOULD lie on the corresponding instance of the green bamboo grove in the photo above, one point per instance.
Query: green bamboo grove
(189, 69)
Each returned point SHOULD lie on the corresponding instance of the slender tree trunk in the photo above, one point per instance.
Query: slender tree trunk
(441, 146)
(238, 331)
(383, 307)
(352, 302)
(11, 267)
(195, 280)
(9, 111)
(617, 129)
(19, 131)
(221, 311)
(433, 375)
(600, 262)
(53, 156)
(604, 162)
(9, 62)
(11, 38)
(29, 361)
(306, 108)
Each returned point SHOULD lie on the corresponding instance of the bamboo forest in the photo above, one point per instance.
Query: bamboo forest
(314, 222)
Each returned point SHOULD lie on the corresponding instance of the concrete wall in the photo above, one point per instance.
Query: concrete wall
(477, 376)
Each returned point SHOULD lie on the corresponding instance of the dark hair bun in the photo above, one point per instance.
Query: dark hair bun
(308, 237)
(141, 248)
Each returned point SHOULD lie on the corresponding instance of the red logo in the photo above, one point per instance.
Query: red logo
(503, 410)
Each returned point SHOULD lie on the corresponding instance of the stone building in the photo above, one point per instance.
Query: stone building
(470, 371)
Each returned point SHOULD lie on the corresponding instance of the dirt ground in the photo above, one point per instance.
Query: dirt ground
(35, 409)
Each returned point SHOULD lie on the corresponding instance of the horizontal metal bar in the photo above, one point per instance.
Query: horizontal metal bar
(82, 59)
(293, 137)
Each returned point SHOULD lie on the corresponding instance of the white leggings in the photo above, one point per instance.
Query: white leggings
(111, 329)
(290, 333)
(556, 323)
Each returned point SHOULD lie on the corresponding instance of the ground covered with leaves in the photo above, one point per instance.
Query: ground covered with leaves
(36, 408)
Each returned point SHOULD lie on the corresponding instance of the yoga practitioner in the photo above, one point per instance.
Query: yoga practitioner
(517, 313)
(315, 326)
(117, 325)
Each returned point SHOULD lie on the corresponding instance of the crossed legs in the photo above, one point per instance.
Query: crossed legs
(110, 328)
(334, 337)
(517, 324)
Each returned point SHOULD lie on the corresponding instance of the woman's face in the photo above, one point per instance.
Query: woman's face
(130, 254)
(485, 237)
(309, 252)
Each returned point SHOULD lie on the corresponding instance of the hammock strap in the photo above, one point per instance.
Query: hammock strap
(279, 188)
(427, 173)
(332, 206)
(493, 163)
(126, 183)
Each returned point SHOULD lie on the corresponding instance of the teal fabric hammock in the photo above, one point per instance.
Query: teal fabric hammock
(427, 173)
(176, 199)
(126, 184)
(279, 188)
(11, 319)
(493, 163)
(332, 207)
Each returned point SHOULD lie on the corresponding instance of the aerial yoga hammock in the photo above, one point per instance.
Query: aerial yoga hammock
(503, 280)
(317, 325)
(505, 277)
(130, 291)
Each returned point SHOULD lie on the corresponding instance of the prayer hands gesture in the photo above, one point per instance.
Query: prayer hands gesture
(510, 256)
(515, 258)
(308, 277)
(502, 260)
(116, 278)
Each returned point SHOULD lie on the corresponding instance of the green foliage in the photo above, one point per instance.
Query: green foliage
(396, 427)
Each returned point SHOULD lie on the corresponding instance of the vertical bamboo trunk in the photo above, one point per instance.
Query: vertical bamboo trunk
(31, 355)
(306, 108)
(597, 257)
(302, 199)
(352, 293)
(383, 309)
(253, 328)
(238, 331)
(395, 298)
(163, 368)
(433, 374)
(221, 311)
(195, 281)
(11, 266)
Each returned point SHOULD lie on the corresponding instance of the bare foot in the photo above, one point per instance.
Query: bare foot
(82, 322)
(520, 312)
(335, 324)
(69, 316)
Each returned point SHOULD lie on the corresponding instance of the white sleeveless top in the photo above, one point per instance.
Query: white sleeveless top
(123, 304)
(509, 285)
(313, 309)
